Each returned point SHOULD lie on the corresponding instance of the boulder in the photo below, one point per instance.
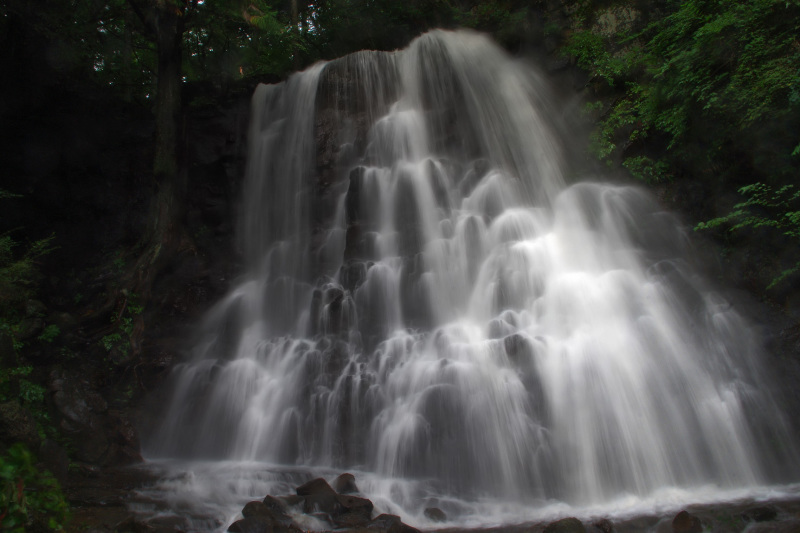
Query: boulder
(272, 511)
(314, 487)
(319, 497)
(389, 523)
(345, 484)
(351, 521)
(565, 525)
(290, 500)
(787, 526)
(252, 524)
(256, 509)
(434, 514)
(760, 514)
(686, 523)
(355, 505)
(603, 525)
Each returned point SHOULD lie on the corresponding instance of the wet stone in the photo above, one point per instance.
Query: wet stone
(345, 484)
(356, 505)
(760, 514)
(603, 526)
(686, 523)
(319, 497)
(351, 520)
(253, 524)
(256, 509)
(435, 514)
(565, 525)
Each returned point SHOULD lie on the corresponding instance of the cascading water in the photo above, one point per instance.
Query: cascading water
(427, 298)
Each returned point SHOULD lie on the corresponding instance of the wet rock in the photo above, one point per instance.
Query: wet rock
(760, 514)
(351, 521)
(279, 508)
(256, 509)
(252, 524)
(389, 523)
(313, 487)
(345, 484)
(272, 511)
(355, 505)
(565, 525)
(17, 424)
(603, 526)
(291, 500)
(319, 497)
(788, 526)
(686, 523)
(435, 514)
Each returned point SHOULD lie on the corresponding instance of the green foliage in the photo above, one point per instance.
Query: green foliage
(110, 341)
(765, 207)
(18, 273)
(119, 339)
(50, 333)
(707, 81)
(28, 497)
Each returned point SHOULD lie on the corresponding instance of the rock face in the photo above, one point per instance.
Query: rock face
(318, 499)
(101, 436)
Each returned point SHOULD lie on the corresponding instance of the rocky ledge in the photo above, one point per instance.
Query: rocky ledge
(105, 501)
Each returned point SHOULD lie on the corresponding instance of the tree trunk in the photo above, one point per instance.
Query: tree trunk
(164, 235)
(169, 180)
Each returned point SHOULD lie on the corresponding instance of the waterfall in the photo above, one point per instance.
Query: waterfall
(431, 294)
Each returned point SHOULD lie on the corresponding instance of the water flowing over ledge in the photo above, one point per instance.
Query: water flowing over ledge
(429, 298)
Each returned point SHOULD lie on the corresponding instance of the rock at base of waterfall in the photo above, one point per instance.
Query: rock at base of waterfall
(434, 514)
(284, 502)
(345, 484)
(686, 523)
(355, 505)
(319, 497)
(789, 526)
(603, 526)
(389, 523)
(259, 524)
(314, 487)
(565, 525)
(760, 514)
(273, 513)
(351, 521)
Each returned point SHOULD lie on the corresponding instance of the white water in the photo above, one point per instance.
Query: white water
(429, 302)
